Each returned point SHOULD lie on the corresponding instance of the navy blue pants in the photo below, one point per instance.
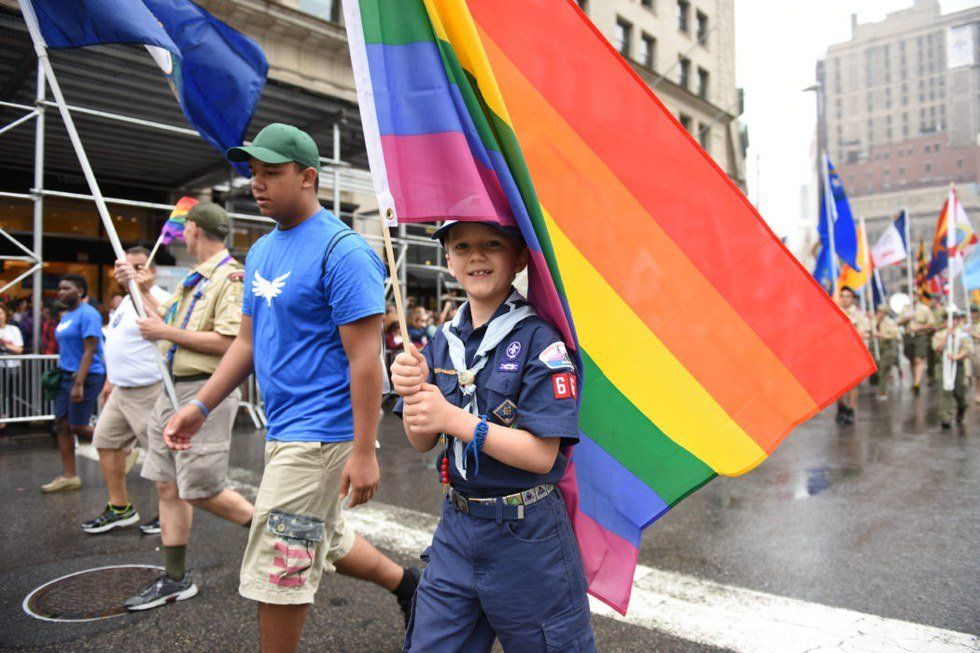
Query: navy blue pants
(517, 580)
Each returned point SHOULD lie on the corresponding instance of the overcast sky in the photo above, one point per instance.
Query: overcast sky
(777, 45)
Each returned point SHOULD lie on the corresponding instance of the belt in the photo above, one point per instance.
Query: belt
(498, 508)
(191, 377)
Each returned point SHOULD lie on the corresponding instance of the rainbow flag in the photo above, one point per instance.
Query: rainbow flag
(173, 228)
(643, 253)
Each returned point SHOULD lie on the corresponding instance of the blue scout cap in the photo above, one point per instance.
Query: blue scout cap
(440, 233)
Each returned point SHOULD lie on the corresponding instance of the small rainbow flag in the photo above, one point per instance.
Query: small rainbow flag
(173, 228)
(702, 341)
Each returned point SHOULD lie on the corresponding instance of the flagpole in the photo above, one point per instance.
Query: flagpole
(40, 48)
(153, 253)
(395, 285)
(866, 296)
(908, 252)
(831, 222)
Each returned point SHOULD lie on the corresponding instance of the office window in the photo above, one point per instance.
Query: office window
(703, 79)
(648, 48)
(702, 27)
(647, 3)
(935, 148)
(325, 9)
(684, 71)
(927, 148)
(959, 163)
(928, 167)
(901, 171)
(686, 121)
(684, 15)
(704, 136)
(624, 36)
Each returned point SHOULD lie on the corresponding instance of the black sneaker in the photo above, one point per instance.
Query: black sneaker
(405, 592)
(163, 590)
(151, 527)
(110, 519)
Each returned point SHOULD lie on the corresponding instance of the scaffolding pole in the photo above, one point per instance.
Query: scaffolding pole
(37, 292)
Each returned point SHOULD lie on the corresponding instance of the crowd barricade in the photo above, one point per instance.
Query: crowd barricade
(21, 398)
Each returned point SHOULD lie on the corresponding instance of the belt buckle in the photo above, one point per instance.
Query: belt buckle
(460, 502)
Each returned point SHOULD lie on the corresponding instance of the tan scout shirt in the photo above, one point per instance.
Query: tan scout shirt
(888, 329)
(939, 339)
(219, 309)
(859, 321)
(923, 317)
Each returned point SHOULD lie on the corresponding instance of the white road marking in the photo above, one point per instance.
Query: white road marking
(683, 606)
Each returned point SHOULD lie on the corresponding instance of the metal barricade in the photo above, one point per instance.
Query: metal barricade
(21, 399)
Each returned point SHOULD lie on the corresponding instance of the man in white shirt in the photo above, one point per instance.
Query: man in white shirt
(133, 383)
(11, 342)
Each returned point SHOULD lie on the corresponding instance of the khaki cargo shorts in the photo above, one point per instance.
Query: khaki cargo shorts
(298, 528)
(125, 416)
(202, 471)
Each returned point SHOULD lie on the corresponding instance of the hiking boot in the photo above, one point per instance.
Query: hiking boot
(163, 590)
(151, 527)
(62, 484)
(111, 518)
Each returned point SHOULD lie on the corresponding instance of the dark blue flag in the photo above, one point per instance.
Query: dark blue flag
(845, 233)
(216, 72)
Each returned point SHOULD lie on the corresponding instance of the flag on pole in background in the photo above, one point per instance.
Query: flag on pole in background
(216, 72)
(949, 243)
(173, 228)
(638, 242)
(921, 270)
(836, 207)
(856, 278)
(891, 248)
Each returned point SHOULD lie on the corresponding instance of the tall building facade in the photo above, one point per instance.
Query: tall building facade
(685, 50)
(901, 114)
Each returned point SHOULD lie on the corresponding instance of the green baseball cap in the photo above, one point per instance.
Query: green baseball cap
(279, 143)
(210, 217)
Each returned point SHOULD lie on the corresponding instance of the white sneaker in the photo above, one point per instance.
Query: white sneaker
(62, 484)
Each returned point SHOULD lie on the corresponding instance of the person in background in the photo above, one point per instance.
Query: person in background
(25, 322)
(11, 342)
(416, 327)
(49, 323)
(847, 405)
(889, 339)
(80, 360)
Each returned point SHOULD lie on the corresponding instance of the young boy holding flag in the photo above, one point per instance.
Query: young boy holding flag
(497, 381)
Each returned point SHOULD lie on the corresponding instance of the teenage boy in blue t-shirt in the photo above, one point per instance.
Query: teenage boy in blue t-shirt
(498, 382)
(311, 329)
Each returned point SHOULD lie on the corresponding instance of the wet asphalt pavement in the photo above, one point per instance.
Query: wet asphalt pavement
(881, 518)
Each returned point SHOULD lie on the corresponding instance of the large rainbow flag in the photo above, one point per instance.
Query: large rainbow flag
(702, 341)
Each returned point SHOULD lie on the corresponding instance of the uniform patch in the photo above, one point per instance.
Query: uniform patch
(508, 367)
(506, 412)
(555, 356)
(439, 370)
(513, 349)
(564, 385)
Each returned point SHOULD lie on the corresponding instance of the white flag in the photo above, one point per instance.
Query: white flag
(890, 248)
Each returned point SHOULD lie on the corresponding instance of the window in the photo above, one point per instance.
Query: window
(584, 4)
(702, 20)
(647, 3)
(704, 136)
(624, 35)
(684, 71)
(325, 9)
(928, 167)
(703, 79)
(927, 148)
(686, 121)
(683, 16)
(935, 148)
(901, 171)
(648, 48)
(959, 163)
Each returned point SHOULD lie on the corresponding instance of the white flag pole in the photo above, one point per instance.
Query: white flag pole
(40, 48)
(908, 253)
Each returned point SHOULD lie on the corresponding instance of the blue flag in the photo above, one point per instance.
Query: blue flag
(845, 233)
(971, 272)
(216, 72)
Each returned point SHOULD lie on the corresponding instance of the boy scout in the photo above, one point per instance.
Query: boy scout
(498, 382)
(199, 323)
(957, 358)
(889, 338)
(848, 403)
(922, 322)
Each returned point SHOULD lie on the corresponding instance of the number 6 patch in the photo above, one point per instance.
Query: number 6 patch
(564, 385)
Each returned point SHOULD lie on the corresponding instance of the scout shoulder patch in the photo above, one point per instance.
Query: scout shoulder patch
(513, 349)
(564, 385)
(440, 370)
(506, 412)
(555, 357)
(508, 367)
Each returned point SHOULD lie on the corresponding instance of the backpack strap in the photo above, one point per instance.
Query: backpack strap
(334, 240)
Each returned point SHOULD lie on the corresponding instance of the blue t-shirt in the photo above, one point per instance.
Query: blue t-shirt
(529, 382)
(76, 325)
(297, 302)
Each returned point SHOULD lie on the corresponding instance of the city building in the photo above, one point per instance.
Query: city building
(685, 51)
(899, 114)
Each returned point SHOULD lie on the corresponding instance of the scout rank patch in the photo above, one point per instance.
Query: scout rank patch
(555, 357)
(565, 385)
(506, 412)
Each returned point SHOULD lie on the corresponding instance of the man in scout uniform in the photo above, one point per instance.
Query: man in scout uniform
(889, 337)
(497, 382)
(956, 350)
(311, 330)
(847, 404)
(921, 323)
(975, 332)
(199, 323)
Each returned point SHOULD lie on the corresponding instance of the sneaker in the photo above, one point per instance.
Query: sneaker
(131, 459)
(62, 484)
(151, 527)
(411, 581)
(110, 519)
(163, 590)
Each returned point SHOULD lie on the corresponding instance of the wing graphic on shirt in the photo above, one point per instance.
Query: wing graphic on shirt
(268, 289)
